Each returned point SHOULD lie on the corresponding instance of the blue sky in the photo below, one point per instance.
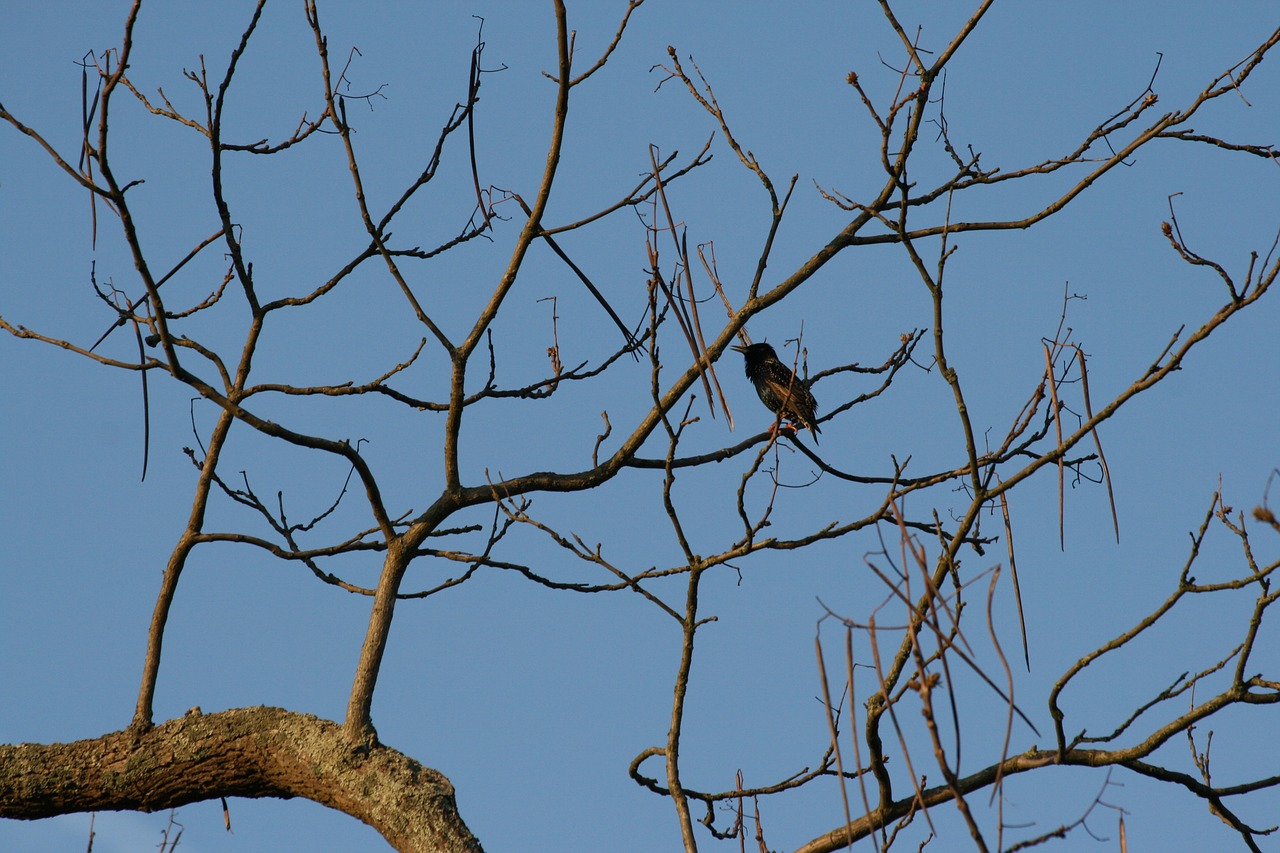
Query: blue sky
(534, 702)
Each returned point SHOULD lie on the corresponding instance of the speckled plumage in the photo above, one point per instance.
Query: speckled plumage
(784, 393)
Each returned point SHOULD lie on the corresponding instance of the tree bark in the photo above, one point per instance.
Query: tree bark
(244, 752)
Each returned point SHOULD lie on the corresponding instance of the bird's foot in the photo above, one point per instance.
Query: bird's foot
(784, 428)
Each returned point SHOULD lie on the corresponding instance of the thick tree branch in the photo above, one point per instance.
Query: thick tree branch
(246, 752)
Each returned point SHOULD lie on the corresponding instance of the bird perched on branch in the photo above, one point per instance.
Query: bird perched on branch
(785, 394)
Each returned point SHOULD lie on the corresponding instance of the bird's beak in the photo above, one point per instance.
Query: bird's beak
(738, 348)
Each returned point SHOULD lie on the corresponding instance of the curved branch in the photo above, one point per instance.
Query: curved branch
(245, 752)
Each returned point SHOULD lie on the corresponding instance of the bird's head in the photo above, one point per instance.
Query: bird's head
(756, 353)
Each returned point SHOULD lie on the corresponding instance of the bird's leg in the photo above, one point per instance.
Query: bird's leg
(786, 428)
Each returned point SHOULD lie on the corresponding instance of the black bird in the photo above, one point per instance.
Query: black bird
(785, 394)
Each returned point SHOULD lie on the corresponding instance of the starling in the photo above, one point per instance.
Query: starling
(785, 394)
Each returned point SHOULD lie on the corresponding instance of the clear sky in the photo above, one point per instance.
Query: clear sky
(534, 702)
